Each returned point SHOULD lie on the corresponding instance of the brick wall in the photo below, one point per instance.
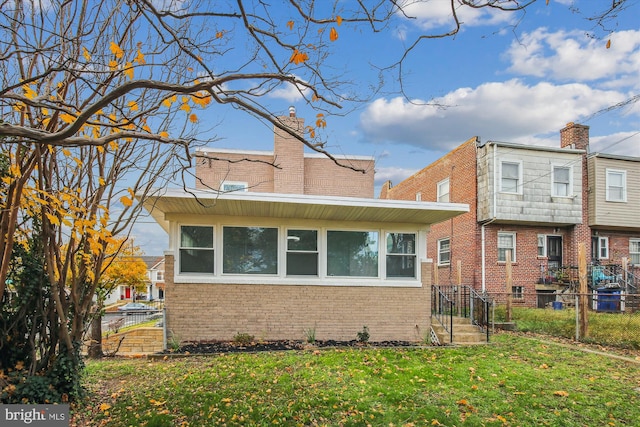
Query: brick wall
(220, 311)
(459, 165)
(324, 177)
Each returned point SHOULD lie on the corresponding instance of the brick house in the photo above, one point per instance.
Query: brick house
(274, 251)
(531, 202)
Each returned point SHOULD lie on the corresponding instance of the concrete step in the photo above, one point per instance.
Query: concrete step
(463, 332)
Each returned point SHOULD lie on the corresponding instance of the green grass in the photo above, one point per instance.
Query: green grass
(612, 329)
(515, 381)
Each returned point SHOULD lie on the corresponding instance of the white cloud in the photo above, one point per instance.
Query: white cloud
(572, 56)
(288, 91)
(393, 174)
(503, 111)
(438, 13)
(621, 143)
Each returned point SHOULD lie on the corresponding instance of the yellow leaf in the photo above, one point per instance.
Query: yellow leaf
(101, 181)
(164, 134)
(333, 34)
(290, 25)
(52, 219)
(113, 145)
(219, 34)
(28, 92)
(126, 201)
(320, 121)
(608, 43)
(66, 152)
(115, 49)
(133, 105)
(167, 102)
(298, 57)
(67, 118)
(140, 58)
(185, 107)
(339, 20)
(105, 407)
(128, 70)
(146, 128)
(86, 54)
(193, 118)
(560, 393)
(113, 64)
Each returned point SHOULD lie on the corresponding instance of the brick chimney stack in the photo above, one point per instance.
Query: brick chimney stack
(289, 155)
(575, 136)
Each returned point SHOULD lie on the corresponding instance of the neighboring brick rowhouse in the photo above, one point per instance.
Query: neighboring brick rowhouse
(459, 165)
(574, 136)
(273, 312)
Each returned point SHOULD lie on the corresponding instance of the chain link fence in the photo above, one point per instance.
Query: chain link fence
(611, 317)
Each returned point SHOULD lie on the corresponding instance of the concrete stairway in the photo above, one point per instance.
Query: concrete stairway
(464, 333)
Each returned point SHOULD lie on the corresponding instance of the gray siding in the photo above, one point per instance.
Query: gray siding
(603, 213)
(534, 202)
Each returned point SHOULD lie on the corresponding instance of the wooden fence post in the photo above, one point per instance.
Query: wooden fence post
(584, 301)
(509, 285)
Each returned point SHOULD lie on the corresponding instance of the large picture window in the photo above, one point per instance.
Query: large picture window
(250, 250)
(352, 253)
(196, 249)
(401, 255)
(302, 253)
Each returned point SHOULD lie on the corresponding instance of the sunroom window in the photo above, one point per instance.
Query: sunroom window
(352, 253)
(401, 255)
(250, 250)
(196, 249)
(302, 253)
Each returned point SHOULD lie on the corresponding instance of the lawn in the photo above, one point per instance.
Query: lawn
(515, 381)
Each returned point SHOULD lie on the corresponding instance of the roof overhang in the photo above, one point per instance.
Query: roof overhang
(273, 205)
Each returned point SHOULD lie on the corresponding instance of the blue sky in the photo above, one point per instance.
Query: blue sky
(503, 77)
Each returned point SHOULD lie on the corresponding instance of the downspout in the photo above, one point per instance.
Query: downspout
(494, 207)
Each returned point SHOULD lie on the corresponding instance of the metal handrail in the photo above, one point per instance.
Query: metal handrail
(481, 320)
(441, 306)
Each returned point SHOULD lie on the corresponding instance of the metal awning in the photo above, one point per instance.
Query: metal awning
(274, 205)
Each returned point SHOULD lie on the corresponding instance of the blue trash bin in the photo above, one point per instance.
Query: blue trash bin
(608, 299)
(557, 305)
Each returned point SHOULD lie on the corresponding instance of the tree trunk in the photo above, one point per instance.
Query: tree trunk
(95, 345)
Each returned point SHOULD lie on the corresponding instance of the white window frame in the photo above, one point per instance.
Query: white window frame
(512, 248)
(444, 191)
(569, 184)
(230, 186)
(517, 292)
(608, 184)
(275, 250)
(634, 255)
(542, 245)
(603, 247)
(519, 178)
(181, 249)
(442, 252)
(315, 252)
(408, 257)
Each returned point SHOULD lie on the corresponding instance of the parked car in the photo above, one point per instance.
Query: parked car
(136, 307)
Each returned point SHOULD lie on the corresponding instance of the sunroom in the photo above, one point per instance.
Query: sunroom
(265, 263)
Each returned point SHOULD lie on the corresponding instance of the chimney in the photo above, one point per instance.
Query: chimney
(289, 155)
(575, 136)
(292, 111)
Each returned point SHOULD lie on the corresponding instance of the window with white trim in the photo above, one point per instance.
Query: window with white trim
(196, 249)
(352, 253)
(517, 292)
(444, 251)
(561, 181)
(401, 255)
(603, 248)
(511, 177)
(634, 251)
(616, 185)
(250, 250)
(542, 245)
(229, 186)
(302, 252)
(506, 243)
(443, 191)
